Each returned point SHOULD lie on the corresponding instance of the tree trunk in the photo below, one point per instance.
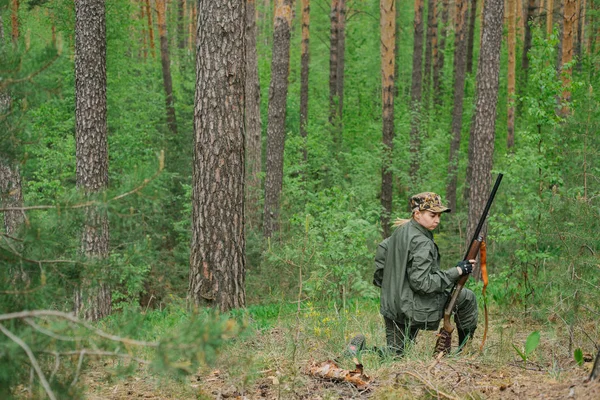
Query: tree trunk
(15, 21)
(527, 40)
(579, 30)
(253, 120)
(484, 120)
(460, 68)
(150, 28)
(93, 298)
(304, 61)
(217, 254)
(341, 58)
(144, 39)
(11, 195)
(567, 51)
(165, 59)
(387, 9)
(430, 49)
(180, 24)
(276, 115)
(438, 66)
(192, 27)
(415, 94)
(471, 30)
(549, 15)
(512, 45)
(334, 53)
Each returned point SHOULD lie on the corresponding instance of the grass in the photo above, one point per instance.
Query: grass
(272, 356)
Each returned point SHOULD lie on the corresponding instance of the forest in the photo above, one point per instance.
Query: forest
(192, 194)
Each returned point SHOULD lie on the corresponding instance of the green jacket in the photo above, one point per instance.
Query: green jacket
(414, 289)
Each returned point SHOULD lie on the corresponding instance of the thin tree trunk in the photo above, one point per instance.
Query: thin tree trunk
(165, 59)
(567, 50)
(304, 61)
(387, 9)
(276, 115)
(180, 24)
(549, 15)
(193, 25)
(579, 30)
(460, 69)
(253, 120)
(416, 94)
(438, 67)
(595, 369)
(531, 7)
(150, 28)
(341, 58)
(430, 50)
(471, 30)
(15, 21)
(93, 298)
(512, 45)
(217, 253)
(584, 36)
(11, 195)
(484, 120)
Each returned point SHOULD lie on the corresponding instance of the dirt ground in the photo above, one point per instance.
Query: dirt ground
(453, 378)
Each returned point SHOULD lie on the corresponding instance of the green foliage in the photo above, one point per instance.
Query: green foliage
(578, 356)
(532, 342)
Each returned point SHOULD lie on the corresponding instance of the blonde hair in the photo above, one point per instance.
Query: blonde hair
(399, 222)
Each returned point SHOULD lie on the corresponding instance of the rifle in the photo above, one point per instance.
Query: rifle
(444, 340)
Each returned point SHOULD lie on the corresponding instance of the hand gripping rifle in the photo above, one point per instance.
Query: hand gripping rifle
(444, 340)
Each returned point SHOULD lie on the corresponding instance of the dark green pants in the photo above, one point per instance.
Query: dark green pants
(398, 333)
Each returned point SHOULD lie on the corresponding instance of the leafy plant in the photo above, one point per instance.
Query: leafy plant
(532, 342)
(578, 356)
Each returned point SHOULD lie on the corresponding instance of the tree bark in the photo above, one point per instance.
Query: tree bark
(570, 15)
(93, 298)
(531, 8)
(471, 30)
(595, 369)
(11, 195)
(217, 254)
(438, 66)
(276, 115)
(512, 46)
(192, 28)
(341, 60)
(549, 15)
(304, 61)
(460, 69)
(144, 38)
(430, 50)
(387, 9)
(416, 93)
(484, 120)
(253, 120)
(165, 59)
(336, 44)
(150, 28)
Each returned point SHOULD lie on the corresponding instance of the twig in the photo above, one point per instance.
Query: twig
(428, 384)
(33, 360)
(79, 363)
(69, 317)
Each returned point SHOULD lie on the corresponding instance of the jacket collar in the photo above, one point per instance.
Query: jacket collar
(421, 229)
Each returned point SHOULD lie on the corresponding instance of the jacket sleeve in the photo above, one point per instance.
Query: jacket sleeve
(380, 262)
(423, 277)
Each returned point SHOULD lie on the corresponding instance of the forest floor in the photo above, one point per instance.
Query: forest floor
(276, 362)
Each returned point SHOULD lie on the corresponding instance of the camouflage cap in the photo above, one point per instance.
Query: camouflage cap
(427, 201)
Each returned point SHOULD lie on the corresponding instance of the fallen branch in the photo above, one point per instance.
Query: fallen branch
(331, 371)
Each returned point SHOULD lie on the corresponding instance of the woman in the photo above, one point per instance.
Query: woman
(414, 289)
